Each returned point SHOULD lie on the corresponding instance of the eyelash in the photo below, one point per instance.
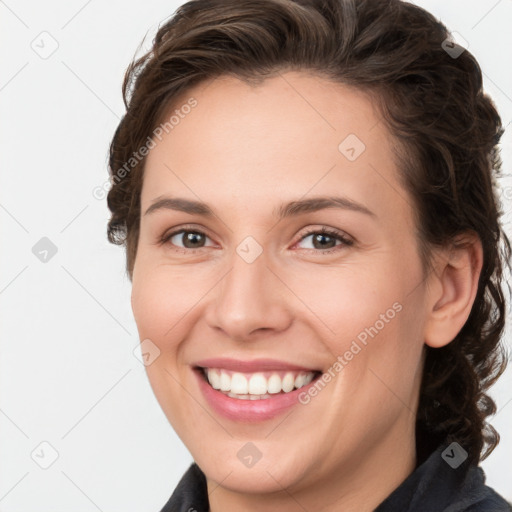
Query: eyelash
(324, 231)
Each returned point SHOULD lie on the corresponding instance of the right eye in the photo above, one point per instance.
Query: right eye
(189, 237)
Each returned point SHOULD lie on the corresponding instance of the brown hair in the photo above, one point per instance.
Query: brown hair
(433, 103)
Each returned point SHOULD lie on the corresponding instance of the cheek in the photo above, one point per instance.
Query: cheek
(351, 303)
(159, 308)
(160, 301)
(371, 319)
(387, 368)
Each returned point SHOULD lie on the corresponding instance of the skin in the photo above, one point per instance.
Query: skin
(245, 150)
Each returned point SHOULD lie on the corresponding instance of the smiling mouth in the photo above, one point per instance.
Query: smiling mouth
(256, 385)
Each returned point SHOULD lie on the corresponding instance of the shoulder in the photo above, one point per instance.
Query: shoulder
(444, 487)
(482, 498)
(191, 493)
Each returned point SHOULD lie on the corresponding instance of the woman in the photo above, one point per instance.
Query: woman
(306, 194)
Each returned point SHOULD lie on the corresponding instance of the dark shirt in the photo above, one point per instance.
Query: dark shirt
(434, 486)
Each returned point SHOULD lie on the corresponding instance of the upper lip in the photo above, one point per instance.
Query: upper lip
(254, 365)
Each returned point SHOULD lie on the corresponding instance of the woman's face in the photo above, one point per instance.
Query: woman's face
(254, 293)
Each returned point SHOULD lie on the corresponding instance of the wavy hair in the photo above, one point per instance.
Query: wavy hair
(447, 131)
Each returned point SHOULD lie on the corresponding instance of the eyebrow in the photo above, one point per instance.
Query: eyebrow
(290, 209)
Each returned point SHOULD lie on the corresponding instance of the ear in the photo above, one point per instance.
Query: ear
(452, 289)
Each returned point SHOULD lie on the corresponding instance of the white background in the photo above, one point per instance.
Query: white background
(68, 375)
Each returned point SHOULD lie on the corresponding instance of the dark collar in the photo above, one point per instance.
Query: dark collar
(433, 486)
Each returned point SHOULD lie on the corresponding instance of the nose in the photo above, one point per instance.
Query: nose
(249, 301)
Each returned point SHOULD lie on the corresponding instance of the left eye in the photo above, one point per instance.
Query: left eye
(323, 239)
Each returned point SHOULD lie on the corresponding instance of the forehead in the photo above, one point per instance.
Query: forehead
(293, 134)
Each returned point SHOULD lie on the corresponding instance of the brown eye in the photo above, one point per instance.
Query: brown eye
(190, 239)
(324, 240)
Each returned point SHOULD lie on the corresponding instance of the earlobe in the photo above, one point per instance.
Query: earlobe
(450, 298)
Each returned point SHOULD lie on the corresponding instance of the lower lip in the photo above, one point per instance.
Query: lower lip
(249, 410)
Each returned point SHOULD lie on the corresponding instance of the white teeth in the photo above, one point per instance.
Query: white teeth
(240, 396)
(214, 378)
(239, 384)
(299, 381)
(225, 382)
(288, 382)
(256, 386)
(309, 377)
(274, 384)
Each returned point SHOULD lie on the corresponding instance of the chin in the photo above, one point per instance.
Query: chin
(271, 473)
